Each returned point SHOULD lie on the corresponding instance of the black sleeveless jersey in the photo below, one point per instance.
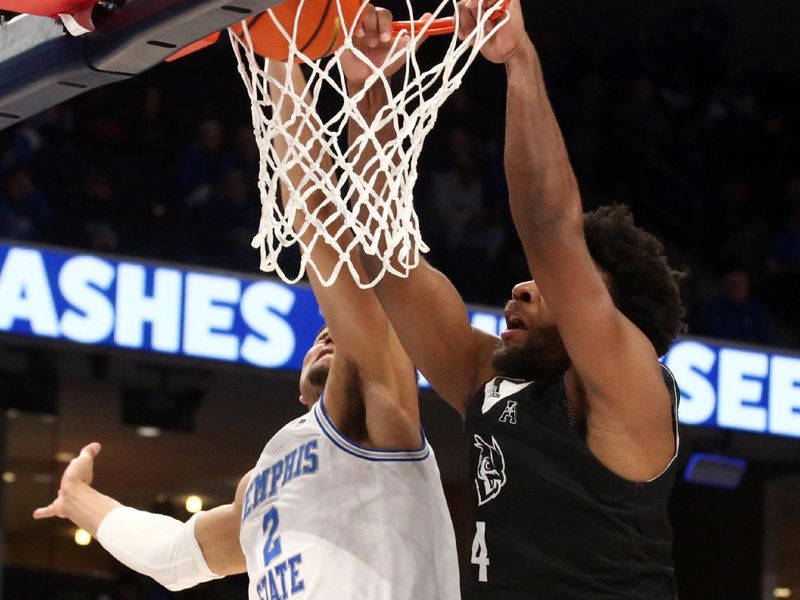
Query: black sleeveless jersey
(552, 522)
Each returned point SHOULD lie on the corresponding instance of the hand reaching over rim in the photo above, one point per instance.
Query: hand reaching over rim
(506, 41)
(374, 39)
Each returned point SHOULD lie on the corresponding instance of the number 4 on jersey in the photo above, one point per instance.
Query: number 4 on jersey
(480, 553)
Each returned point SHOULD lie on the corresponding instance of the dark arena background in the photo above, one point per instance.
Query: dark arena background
(687, 111)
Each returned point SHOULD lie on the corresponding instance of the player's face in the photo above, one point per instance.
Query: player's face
(316, 365)
(531, 347)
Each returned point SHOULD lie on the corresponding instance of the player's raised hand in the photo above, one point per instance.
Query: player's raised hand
(79, 470)
(374, 39)
(510, 34)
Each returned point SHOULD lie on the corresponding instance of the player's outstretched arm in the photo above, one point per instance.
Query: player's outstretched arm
(177, 555)
(615, 362)
(432, 323)
(425, 310)
(367, 349)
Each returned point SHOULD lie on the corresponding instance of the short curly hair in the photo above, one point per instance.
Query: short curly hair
(644, 287)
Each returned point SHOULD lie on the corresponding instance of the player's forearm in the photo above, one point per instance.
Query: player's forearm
(369, 105)
(85, 506)
(297, 133)
(366, 147)
(543, 192)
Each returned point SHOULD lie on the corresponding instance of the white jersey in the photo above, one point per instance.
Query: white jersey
(324, 519)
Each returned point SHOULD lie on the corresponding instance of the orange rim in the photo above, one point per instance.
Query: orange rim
(444, 25)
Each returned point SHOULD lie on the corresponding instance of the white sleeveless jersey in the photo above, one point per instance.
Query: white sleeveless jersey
(324, 519)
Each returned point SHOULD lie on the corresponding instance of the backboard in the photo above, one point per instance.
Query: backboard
(41, 65)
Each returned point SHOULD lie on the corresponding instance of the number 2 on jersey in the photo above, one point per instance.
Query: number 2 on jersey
(272, 547)
(480, 553)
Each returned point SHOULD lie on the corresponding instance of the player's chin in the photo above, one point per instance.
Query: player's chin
(317, 374)
(503, 352)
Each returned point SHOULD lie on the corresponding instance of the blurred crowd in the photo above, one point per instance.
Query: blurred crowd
(704, 149)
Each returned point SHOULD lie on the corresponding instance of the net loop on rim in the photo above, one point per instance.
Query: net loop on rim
(351, 194)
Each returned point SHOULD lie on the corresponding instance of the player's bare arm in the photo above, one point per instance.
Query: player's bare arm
(216, 531)
(614, 367)
(434, 328)
(424, 309)
(371, 379)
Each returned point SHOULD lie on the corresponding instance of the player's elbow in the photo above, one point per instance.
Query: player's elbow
(551, 221)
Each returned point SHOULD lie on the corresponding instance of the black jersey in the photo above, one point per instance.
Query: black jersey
(552, 522)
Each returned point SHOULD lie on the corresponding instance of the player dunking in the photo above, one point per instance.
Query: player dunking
(571, 420)
(344, 503)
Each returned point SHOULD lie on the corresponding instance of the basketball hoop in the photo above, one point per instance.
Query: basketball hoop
(370, 208)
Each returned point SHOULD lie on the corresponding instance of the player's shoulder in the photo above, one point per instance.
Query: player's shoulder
(301, 425)
(346, 447)
(301, 428)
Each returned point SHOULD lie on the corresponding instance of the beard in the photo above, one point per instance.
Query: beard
(541, 357)
(318, 376)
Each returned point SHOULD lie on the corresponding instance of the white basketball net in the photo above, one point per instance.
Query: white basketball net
(371, 207)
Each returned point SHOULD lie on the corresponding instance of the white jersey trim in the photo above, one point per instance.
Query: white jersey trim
(371, 454)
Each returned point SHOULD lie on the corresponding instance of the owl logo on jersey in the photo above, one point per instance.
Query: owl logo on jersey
(491, 476)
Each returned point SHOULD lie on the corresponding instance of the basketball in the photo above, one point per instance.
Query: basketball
(320, 29)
